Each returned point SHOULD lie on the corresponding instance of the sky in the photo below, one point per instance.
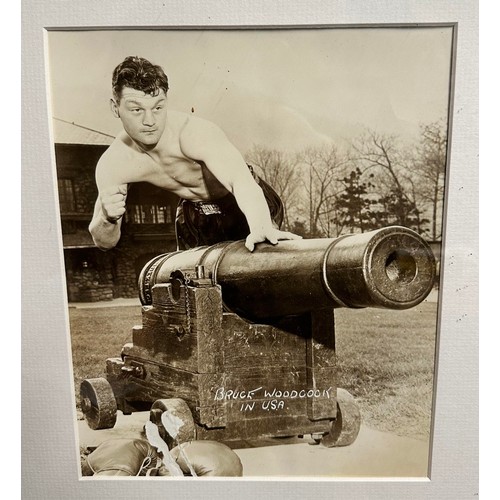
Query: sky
(285, 89)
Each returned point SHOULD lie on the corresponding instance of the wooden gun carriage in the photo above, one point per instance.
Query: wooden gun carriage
(237, 346)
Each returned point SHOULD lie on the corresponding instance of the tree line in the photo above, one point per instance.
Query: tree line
(376, 181)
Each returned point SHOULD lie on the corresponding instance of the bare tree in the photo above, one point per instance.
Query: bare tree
(324, 167)
(396, 177)
(280, 170)
(431, 168)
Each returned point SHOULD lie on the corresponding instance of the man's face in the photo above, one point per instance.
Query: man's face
(143, 116)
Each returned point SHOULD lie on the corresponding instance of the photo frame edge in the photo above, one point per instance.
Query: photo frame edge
(44, 301)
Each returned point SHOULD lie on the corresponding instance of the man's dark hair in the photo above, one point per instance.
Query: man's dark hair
(139, 74)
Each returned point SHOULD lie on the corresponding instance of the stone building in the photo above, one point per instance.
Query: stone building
(147, 229)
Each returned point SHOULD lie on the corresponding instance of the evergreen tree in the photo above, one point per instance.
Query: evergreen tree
(354, 206)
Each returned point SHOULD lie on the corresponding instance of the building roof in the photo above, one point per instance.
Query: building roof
(70, 133)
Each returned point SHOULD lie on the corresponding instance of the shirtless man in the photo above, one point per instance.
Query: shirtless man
(185, 155)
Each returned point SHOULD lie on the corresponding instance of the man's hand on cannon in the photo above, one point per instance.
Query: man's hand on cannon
(272, 235)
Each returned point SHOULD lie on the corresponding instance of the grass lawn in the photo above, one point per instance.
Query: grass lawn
(386, 358)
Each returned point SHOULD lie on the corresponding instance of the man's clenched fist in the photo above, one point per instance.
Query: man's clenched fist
(113, 202)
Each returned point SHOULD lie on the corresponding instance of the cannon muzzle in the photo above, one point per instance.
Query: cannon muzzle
(391, 268)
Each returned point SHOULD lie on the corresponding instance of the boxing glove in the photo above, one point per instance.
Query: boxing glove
(122, 457)
(206, 458)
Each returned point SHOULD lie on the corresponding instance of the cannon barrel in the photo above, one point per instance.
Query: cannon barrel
(391, 268)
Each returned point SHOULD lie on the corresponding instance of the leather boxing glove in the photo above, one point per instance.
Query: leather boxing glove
(207, 458)
(122, 457)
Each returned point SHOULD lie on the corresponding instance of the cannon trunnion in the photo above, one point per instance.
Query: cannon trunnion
(238, 346)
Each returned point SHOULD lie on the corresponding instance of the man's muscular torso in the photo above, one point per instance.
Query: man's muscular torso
(167, 167)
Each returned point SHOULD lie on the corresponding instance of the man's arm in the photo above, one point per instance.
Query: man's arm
(105, 226)
(205, 141)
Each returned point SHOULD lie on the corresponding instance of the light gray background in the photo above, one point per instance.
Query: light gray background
(49, 449)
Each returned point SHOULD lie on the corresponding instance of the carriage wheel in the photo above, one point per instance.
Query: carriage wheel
(181, 417)
(345, 428)
(98, 403)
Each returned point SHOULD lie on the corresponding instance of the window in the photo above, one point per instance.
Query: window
(150, 214)
(66, 195)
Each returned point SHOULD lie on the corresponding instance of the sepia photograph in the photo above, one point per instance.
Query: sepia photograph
(251, 224)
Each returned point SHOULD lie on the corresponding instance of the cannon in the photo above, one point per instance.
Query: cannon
(236, 346)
